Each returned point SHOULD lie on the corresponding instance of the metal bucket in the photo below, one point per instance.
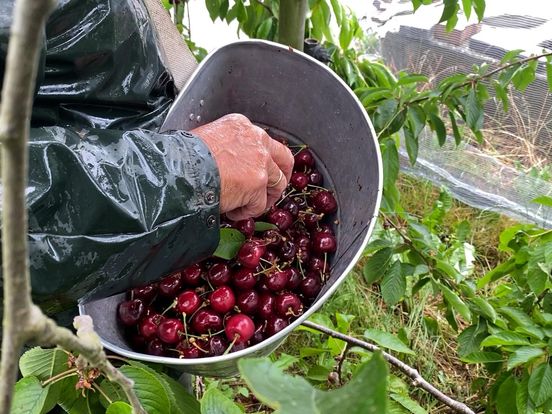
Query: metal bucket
(282, 88)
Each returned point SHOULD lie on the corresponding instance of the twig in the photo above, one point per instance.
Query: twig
(417, 379)
(342, 357)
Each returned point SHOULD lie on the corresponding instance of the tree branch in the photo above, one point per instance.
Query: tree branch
(412, 373)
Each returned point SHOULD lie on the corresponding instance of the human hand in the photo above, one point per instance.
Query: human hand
(254, 169)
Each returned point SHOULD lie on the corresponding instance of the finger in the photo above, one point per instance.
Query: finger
(274, 192)
(255, 207)
(282, 156)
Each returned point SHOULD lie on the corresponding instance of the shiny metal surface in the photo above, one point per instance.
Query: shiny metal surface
(286, 89)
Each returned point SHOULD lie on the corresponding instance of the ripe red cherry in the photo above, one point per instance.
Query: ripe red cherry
(244, 279)
(299, 180)
(261, 286)
(266, 303)
(323, 243)
(170, 285)
(288, 250)
(155, 347)
(294, 278)
(315, 178)
(248, 301)
(250, 254)
(292, 207)
(145, 293)
(277, 280)
(239, 328)
(310, 286)
(304, 159)
(148, 327)
(131, 311)
(324, 202)
(317, 264)
(272, 237)
(310, 220)
(302, 241)
(274, 325)
(216, 345)
(281, 218)
(188, 350)
(188, 302)
(191, 276)
(205, 321)
(169, 330)
(247, 227)
(288, 304)
(219, 274)
(301, 202)
(259, 334)
(222, 299)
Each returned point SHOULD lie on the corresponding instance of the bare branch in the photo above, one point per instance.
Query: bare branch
(412, 373)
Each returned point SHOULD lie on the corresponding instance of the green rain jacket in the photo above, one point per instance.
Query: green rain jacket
(112, 203)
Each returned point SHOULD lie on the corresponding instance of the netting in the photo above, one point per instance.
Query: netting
(512, 166)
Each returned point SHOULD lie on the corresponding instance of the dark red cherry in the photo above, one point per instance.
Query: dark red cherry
(310, 286)
(222, 300)
(294, 278)
(287, 304)
(262, 286)
(248, 301)
(299, 180)
(191, 276)
(272, 237)
(310, 220)
(170, 285)
(155, 347)
(219, 274)
(239, 328)
(317, 264)
(216, 345)
(315, 178)
(270, 256)
(277, 280)
(324, 202)
(274, 325)
(247, 227)
(292, 207)
(244, 279)
(131, 311)
(238, 346)
(258, 335)
(325, 228)
(187, 350)
(205, 321)
(169, 330)
(281, 218)
(250, 253)
(303, 254)
(188, 302)
(145, 293)
(303, 159)
(148, 327)
(302, 241)
(288, 250)
(266, 303)
(323, 243)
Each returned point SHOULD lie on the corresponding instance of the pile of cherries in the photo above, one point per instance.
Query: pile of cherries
(220, 306)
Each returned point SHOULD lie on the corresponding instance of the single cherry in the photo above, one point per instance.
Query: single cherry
(301, 202)
(272, 237)
(248, 301)
(170, 285)
(310, 286)
(169, 330)
(303, 159)
(155, 347)
(188, 302)
(247, 227)
(187, 350)
(148, 326)
(277, 280)
(266, 303)
(287, 304)
(191, 276)
(274, 325)
(323, 243)
(288, 250)
(259, 334)
(206, 321)
(299, 180)
(239, 328)
(250, 253)
(145, 293)
(315, 178)
(270, 256)
(292, 207)
(216, 345)
(244, 279)
(219, 274)
(281, 218)
(317, 264)
(310, 220)
(294, 278)
(222, 299)
(324, 202)
(131, 311)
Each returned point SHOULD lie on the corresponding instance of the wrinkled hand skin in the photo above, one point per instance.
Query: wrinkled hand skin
(248, 160)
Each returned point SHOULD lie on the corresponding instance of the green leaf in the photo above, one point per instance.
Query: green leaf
(119, 407)
(523, 355)
(366, 393)
(524, 75)
(408, 403)
(540, 384)
(338, 10)
(376, 245)
(482, 357)
(264, 28)
(449, 10)
(466, 6)
(182, 400)
(416, 117)
(549, 73)
(485, 308)
(479, 7)
(230, 242)
(439, 127)
(390, 157)
(454, 300)
(213, 7)
(43, 363)
(544, 200)
(510, 55)
(149, 389)
(455, 130)
(393, 285)
(470, 339)
(29, 396)
(412, 78)
(523, 402)
(501, 94)
(376, 266)
(474, 111)
(506, 397)
(345, 34)
(505, 338)
(215, 402)
(411, 143)
(263, 226)
(387, 340)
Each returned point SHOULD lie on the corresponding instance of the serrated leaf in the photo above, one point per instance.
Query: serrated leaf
(376, 245)
(540, 384)
(500, 92)
(523, 402)
(264, 28)
(408, 403)
(119, 407)
(467, 6)
(215, 402)
(438, 127)
(474, 111)
(523, 355)
(229, 244)
(213, 7)
(387, 340)
(43, 363)
(479, 7)
(411, 143)
(390, 157)
(457, 304)
(470, 339)
(519, 317)
(505, 338)
(366, 393)
(412, 78)
(510, 55)
(485, 308)
(524, 75)
(393, 285)
(149, 390)
(482, 357)
(448, 10)
(263, 226)
(455, 130)
(29, 396)
(506, 397)
(376, 266)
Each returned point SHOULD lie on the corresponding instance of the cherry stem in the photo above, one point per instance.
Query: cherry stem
(172, 305)
(60, 376)
(97, 387)
(185, 325)
(236, 336)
